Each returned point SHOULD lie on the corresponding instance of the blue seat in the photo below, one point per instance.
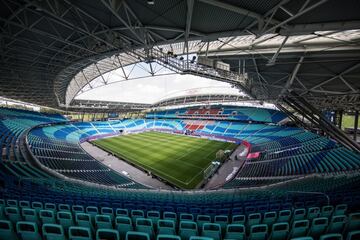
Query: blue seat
(64, 207)
(235, 231)
(107, 234)
(84, 220)
(122, 212)
(2, 214)
(313, 212)
(108, 211)
(137, 214)
(103, 221)
(166, 227)
(279, 231)
(318, 227)
(47, 216)
(50, 206)
(299, 228)
(186, 217)
(340, 209)
(30, 215)
(24, 204)
(331, 236)
(200, 238)
(123, 224)
(79, 233)
(337, 224)
(353, 222)
(13, 214)
(7, 230)
(53, 232)
(77, 209)
(253, 219)
(222, 220)
(170, 216)
(27, 230)
(302, 238)
(154, 216)
(258, 232)
(37, 206)
(284, 216)
(188, 229)
(12, 203)
(201, 219)
(270, 218)
(238, 219)
(65, 219)
(137, 236)
(353, 235)
(167, 237)
(299, 214)
(327, 211)
(145, 225)
(211, 230)
(93, 211)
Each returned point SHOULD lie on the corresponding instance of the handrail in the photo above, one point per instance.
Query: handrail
(315, 193)
(188, 66)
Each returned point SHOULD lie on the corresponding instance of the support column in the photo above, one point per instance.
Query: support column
(341, 112)
(356, 124)
(335, 117)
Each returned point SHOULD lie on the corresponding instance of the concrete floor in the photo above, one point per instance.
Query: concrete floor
(228, 170)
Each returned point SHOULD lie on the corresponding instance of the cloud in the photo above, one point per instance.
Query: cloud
(153, 89)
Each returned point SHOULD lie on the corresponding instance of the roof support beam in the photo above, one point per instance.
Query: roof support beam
(298, 14)
(336, 76)
(236, 9)
(292, 77)
(87, 80)
(270, 13)
(122, 67)
(48, 35)
(102, 77)
(128, 25)
(272, 61)
(347, 84)
(190, 7)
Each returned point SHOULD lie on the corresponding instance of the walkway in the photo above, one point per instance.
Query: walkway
(229, 169)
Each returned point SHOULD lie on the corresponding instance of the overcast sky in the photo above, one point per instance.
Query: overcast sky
(154, 89)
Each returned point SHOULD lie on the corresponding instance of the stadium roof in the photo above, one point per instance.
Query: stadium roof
(50, 50)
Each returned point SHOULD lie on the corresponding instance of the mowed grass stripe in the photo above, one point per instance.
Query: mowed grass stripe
(169, 151)
(136, 148)
(132, 150)
(174, 150)
(178, 159)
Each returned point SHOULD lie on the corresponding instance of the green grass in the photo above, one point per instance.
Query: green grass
(348, 121)
(177, 159)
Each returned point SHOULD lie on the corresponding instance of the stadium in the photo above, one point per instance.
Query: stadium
(180, 120)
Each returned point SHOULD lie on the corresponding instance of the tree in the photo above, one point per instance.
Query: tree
(220, 155)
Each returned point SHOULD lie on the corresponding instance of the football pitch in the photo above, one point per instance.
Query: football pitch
(178, 159)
